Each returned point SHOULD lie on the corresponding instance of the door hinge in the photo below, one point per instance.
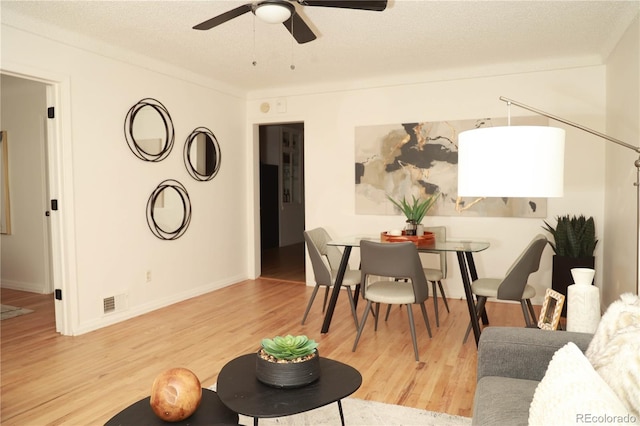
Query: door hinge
(51, 112)
(58, 293)
(54, 204)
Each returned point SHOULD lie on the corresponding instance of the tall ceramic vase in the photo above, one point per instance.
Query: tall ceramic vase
(583, 309)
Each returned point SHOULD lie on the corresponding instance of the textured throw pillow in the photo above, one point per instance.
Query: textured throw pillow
(571, 393)
(614, 351)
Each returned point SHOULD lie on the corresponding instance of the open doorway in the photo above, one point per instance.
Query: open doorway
(282, 201)
(26, 119)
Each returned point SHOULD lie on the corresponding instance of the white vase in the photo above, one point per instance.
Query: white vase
(582, 276)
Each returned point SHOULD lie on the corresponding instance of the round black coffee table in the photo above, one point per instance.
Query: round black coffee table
(239, 389)
(210, 412)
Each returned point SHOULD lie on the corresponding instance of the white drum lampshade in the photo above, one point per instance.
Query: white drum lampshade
(512, 161)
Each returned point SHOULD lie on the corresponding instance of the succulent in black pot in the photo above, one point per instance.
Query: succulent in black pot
(288, 361)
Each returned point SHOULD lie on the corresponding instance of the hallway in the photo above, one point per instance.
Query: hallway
(284, 263)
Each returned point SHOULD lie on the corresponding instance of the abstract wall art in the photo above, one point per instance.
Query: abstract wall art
(421, 158)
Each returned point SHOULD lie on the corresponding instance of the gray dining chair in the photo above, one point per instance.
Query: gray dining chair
(514, 285)
(436, 275)
(395, 262)
(325, 260)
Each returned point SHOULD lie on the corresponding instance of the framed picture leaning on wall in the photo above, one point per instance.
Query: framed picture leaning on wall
(551, 309)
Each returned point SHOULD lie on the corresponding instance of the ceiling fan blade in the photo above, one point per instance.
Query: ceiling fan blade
(301, 31)
(375, 5)
(221, 19)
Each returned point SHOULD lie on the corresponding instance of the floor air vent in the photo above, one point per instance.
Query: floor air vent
(109, 304)
(114, 303)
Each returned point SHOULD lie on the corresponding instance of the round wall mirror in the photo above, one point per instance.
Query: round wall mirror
(169, 210)
(202, 154)
(149, 131)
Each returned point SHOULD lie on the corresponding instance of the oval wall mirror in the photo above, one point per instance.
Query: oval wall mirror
(149, 131)
(202, 156)
(169, 210)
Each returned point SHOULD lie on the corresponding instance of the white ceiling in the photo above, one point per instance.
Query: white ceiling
(410, 37)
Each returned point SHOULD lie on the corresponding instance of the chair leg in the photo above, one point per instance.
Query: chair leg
(532, 312)
(353, 306)
(444, 296)
(412, 327)
(326, 295)
(480, 309)
(530, 316)
(362, 323)
(426, 318)
(313, 296)
(376, 316)
(435, 302)
(386, 317)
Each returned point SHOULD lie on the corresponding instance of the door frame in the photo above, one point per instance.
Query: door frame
(254, 244)
(62, 247)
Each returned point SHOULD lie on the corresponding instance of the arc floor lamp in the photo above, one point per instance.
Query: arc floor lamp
(524, 161)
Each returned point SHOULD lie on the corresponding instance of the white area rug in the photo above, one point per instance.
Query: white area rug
(12, 311)
(358, 412)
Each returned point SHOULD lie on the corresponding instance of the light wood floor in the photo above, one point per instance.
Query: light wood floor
(85, 380)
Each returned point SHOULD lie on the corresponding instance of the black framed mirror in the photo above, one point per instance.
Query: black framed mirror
(149, 131)
(169, 210)
(202, 156)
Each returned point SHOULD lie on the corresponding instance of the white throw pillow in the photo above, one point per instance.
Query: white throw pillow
(571, 393)
(614, 351)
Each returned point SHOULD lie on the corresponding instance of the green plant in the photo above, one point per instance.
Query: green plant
(416, 211)
(289, 347)
(573, 236)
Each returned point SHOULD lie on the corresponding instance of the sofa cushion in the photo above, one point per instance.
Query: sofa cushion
(571, 392)
(614, 351)
(502, 401)
(522, 353)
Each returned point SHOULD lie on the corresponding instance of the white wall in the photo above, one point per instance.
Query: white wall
(623, 122)
(25, 255)
(331, 116)
(112, 247)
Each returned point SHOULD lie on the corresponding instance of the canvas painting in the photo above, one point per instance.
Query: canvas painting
(421, 158)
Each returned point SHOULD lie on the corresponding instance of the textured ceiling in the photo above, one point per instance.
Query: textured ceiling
(409, 37)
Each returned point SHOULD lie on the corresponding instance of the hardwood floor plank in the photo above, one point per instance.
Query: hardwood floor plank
(52, 379)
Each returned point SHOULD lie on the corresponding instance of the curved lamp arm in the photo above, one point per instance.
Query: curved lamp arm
(609, 138)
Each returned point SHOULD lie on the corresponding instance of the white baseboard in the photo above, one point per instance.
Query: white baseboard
(116, 317)
(39, 288)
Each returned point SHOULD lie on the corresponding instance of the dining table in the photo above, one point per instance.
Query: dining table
(464, 250)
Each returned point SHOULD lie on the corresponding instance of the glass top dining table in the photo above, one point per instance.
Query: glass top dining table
(437, 246)
(464, 250)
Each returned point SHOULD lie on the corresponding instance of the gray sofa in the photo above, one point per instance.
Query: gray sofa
(511, 363)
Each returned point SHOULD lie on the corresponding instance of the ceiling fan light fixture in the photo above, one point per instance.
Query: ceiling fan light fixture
(274, 12)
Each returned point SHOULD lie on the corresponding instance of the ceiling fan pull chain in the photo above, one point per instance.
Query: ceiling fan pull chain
(292, 66)
(254, 62)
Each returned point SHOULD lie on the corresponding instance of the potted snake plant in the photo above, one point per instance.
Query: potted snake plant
(288, 361)
(574, 242)
(415, 210)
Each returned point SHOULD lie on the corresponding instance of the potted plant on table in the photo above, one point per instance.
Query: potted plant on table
(414, 211)
(288, 361)
(574, 241)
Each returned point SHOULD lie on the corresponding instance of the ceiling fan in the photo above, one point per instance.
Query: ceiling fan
(283, 11)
